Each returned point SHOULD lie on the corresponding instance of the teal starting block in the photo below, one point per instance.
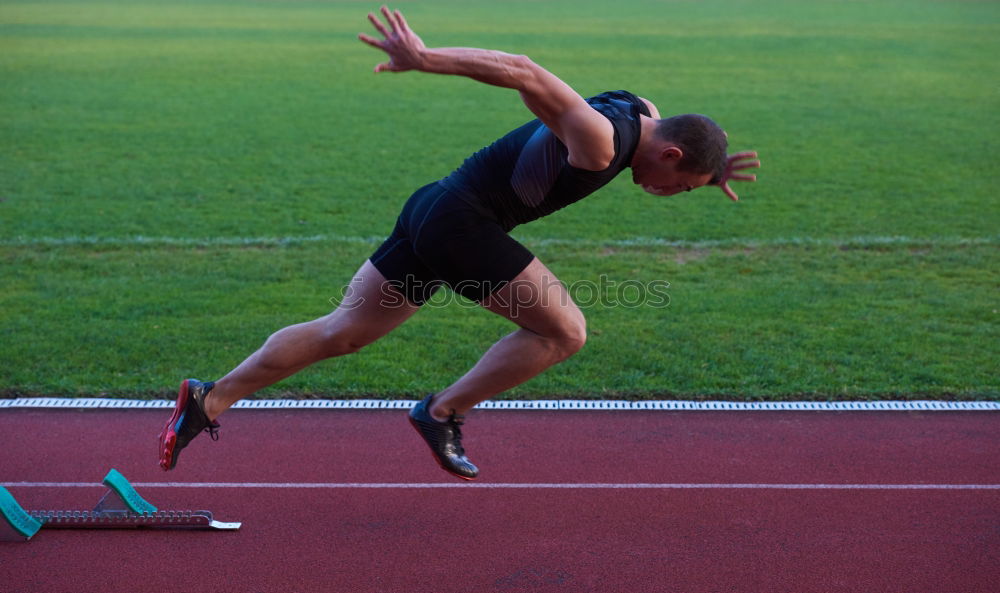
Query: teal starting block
(122, 498)
(18, 524)
(121, 507)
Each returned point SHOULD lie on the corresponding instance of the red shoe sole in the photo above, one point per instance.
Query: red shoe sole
(168, 437)
(413, 423)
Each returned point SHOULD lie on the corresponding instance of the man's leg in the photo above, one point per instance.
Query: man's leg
(552, 328)
(367, 313)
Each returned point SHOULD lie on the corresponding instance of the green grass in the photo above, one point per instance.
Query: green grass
(767, 321)
(861, 265)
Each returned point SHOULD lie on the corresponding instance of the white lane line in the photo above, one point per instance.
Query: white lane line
(563, 404)
(512, 486)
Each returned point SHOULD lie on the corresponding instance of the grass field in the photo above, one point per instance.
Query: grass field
(178, 180)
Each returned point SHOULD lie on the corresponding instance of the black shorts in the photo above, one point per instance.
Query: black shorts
(440, 239)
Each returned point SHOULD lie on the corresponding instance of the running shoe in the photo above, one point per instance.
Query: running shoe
(187, 421)
(444, 439)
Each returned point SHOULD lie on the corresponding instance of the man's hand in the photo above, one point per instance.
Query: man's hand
(403, 45)
(738, 162)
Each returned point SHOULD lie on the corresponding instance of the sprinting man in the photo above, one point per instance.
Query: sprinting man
(454, 232)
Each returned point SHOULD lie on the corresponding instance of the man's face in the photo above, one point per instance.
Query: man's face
(658, 174)
(668, 185)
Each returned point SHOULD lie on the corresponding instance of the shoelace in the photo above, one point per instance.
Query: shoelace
(213, 427)
(456, 421)
(213, 430)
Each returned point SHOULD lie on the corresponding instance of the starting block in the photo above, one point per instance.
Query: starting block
(121, 507)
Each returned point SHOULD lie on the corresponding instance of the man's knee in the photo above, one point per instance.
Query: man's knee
(342, 347)
(338, 338)
(342, 343)
(570, 337)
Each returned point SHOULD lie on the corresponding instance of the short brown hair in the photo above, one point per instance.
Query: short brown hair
(700, 139)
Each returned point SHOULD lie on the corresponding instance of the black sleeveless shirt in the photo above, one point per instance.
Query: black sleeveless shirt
(526, 174)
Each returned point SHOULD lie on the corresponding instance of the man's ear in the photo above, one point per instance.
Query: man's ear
(672, 153)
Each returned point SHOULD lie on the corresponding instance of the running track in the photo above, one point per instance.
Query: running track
(757, 502)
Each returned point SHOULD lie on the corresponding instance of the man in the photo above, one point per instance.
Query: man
(454, 232)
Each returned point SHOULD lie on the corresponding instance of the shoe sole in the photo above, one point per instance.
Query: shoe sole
(416, 427)
(168, 437)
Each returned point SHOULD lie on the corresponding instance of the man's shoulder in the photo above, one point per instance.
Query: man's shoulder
(619, 103)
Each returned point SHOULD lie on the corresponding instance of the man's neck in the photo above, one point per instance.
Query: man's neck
(647, 136)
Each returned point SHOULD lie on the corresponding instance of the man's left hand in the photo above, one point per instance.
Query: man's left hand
(738, 162)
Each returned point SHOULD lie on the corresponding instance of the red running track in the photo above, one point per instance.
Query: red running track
(466, 539)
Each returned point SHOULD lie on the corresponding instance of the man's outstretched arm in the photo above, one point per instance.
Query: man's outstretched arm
(587, 134)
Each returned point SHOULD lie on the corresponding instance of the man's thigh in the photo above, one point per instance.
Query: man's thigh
(371, 307)
(537, 300)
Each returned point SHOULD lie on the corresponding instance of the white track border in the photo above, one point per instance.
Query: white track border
(562, 404)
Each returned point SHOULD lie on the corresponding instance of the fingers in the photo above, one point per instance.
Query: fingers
(387, 15)
(376, 44)
(378, 25)
(403, 25)
(738, 162)
(370, 40)
(394, 18)
(741, 166)
(394, 22)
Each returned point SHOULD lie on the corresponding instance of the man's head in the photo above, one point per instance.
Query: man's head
(682, 153)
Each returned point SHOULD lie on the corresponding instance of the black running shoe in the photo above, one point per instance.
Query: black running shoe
(187, 421)
(444, 439)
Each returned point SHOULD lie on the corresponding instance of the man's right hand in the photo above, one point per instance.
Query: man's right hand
(404, 47)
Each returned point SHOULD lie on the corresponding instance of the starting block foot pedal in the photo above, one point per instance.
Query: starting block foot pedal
(122, 498)
(17, 525)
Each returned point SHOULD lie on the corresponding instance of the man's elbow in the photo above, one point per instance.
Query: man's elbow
(524, 72)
